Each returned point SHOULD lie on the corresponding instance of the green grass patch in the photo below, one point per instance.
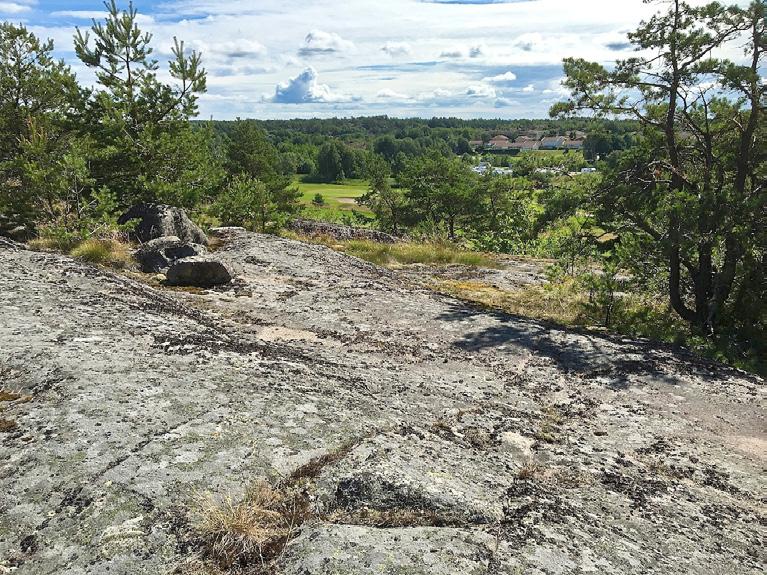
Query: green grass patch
(337, 197)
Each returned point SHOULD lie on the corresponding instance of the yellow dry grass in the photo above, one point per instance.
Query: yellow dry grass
(548, 302)
(252, 530)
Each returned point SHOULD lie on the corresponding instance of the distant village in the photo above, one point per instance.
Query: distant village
(529, 142)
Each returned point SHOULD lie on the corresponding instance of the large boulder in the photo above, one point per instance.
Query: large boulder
(157, 255)
(158, 220)
(198, 271)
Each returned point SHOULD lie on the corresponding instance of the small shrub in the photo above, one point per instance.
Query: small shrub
(318, 200)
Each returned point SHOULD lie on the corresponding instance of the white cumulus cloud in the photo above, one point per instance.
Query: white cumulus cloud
(387, 94)
(480, 91)
(505, 78)
(15, 7)
(305, 88)
(396, 48)
(319, 42)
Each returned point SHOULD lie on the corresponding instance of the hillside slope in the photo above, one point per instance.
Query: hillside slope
(520, 447)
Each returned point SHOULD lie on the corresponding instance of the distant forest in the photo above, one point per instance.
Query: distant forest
(421, 133)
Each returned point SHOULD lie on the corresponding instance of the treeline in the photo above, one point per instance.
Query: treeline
(300, 141)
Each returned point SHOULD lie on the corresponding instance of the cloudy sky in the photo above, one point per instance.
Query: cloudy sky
(304, 58)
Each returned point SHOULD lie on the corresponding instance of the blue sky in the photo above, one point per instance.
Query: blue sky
(305, 58)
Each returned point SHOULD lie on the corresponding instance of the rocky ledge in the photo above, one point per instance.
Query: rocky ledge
(444, 439)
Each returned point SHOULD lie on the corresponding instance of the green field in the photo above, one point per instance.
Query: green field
(339, 199)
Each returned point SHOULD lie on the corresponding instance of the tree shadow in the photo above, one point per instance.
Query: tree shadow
(573, 350)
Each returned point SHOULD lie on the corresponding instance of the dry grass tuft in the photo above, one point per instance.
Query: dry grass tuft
(108, 252)
(550, 302)
(253, 530)
(404, 253)
(105, 251)
(7, 425)
(530, 470)
(7, 395)
(417, 253)
(52, 244)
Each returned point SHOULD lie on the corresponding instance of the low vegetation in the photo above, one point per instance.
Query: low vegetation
(416, 253)
(253, 531)
(110, 252)
(406, 253)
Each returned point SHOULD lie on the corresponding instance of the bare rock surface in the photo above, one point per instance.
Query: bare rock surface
(366, 550)
(510, 446)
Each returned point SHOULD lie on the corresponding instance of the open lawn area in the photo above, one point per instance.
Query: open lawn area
(339, 201)
(338, 196)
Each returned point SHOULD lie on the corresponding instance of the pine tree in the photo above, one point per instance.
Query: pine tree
(150, 150)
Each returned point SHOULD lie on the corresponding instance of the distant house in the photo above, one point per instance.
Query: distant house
(523, 143)
(532, 134)
(476, 144)
(552, 142)
(499, 142)
(569, 144)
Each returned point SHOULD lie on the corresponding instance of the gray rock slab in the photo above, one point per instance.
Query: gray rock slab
(358, 550)
(637, 458)
(414, 469)
(158, 254)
